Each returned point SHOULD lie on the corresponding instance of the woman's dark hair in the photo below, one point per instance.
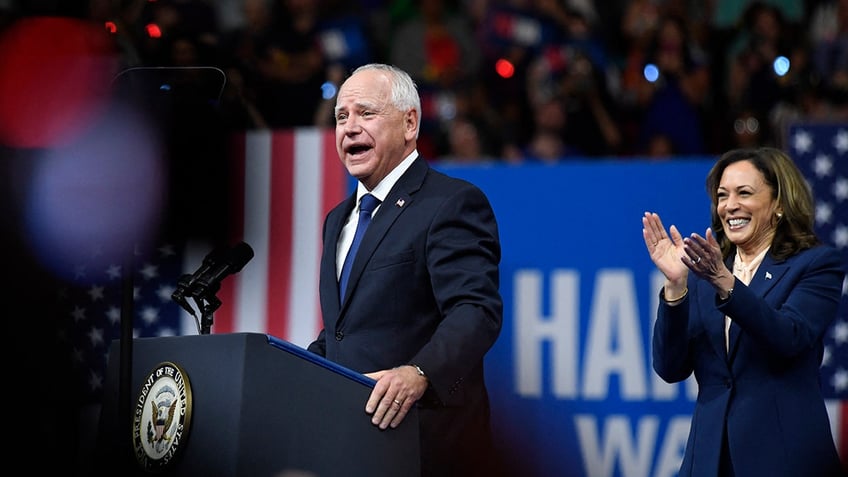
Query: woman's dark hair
(794, 226)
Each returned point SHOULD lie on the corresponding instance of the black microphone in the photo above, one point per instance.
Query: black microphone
(218, 266)
(187, 280)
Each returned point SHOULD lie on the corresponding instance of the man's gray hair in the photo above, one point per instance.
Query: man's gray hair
(404, 91)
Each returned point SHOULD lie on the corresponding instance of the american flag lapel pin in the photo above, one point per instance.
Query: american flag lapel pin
(400, 202)
(768, 275)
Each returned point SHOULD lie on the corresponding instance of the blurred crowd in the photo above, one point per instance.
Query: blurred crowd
(510, 80)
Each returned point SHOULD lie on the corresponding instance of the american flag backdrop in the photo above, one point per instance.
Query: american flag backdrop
(93, 307)
(821, 152)
(288, 181)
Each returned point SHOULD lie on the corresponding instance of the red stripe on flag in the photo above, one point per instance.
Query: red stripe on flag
(280, 231)
(335, 190)
(278, 280)
(335, 178)
(842, 433)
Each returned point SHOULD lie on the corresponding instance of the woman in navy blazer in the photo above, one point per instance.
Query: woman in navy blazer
(422, 305)
(749, 321)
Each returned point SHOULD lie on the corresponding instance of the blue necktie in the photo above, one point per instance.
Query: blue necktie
(366, 206)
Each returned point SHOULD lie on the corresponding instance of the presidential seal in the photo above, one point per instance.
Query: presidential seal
(162, 417)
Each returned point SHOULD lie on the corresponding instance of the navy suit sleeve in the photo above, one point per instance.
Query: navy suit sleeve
(318, 346)
(462, 258)
(672, 350)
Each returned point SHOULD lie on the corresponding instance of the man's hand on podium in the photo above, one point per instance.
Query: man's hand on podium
(395, 393)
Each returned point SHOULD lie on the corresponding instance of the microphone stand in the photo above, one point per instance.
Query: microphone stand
(210, 304)
(205, 301)
(205, 295)
(203, 285)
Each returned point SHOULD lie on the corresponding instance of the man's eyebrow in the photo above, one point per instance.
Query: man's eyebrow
(366, 105)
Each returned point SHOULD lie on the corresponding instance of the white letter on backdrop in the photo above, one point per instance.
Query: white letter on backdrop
(614, 341)
(532, 329)
(633, 453)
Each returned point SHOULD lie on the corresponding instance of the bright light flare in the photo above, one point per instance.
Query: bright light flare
(98, 198)
(55, 75)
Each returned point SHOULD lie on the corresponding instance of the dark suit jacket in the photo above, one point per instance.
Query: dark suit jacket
(424, 289)
(765, 392)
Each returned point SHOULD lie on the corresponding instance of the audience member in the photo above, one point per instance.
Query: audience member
(464, 142)
(676, 90)
(828, 35)
(436, 46)
(290, 65)
(762, 61)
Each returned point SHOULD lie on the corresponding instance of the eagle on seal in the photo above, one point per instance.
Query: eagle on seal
(163, 416)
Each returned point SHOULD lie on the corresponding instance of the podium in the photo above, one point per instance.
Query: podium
(259, 406)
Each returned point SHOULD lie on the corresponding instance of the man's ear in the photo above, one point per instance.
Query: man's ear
(411, 123)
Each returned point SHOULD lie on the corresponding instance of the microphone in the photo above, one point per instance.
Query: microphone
(187, 280)
(217, 265)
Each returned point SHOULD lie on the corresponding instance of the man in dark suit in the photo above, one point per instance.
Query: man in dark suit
(421, 305)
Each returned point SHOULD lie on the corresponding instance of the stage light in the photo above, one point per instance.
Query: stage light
(328, 90)
(651, 72)
(504, 68)
(153, 30)
(781, 65)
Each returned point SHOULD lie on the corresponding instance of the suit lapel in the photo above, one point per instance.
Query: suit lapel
(768, 274)
(397, 201)
(335, 222)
